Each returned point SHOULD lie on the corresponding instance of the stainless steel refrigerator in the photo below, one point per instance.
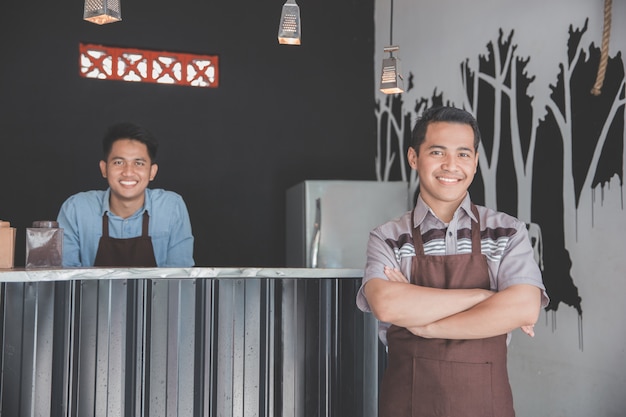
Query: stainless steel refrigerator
(328, 221)
(336, 348)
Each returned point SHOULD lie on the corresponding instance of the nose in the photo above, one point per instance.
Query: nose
(449, 162)
(127, 169)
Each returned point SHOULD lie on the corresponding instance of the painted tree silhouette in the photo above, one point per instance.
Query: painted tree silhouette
(394, 123)
(587, 133)
(497, 95)
(581, 137)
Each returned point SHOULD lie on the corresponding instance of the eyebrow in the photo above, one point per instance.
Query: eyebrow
(130, 159)
(461, 148)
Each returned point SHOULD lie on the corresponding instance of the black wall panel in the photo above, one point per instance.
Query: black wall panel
(282, 114)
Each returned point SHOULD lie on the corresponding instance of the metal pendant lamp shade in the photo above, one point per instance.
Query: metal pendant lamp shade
(289, 28)
(102, 11)
(391, 81)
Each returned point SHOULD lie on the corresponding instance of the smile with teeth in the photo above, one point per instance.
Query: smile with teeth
(128, 182)
(450, 180)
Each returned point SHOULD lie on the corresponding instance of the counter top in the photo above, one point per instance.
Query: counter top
(69, 274)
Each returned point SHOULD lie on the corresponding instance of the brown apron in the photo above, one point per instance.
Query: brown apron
(442, 377)
(132, 252)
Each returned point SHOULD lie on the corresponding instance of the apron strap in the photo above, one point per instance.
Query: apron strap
(105, 225)
(476, 241)
(144, 226)
(418, 243)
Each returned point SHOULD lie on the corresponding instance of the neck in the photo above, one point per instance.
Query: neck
(124, 209)
(444, 210)
(445, 215)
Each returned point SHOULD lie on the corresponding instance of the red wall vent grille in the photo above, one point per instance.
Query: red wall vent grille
(140, 65)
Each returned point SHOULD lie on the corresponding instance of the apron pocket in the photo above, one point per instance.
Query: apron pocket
(451, 389)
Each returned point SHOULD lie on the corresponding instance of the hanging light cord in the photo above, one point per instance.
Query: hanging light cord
(604, 52)
(391, 25)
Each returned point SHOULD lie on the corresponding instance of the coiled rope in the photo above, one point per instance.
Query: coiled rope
(604, 52)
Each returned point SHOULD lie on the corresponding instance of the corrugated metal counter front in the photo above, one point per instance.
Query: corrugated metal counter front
(186, 342)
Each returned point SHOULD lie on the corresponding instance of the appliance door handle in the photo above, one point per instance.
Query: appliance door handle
(315, 243)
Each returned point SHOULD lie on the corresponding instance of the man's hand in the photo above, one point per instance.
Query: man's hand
(529, 330)
(395, 275)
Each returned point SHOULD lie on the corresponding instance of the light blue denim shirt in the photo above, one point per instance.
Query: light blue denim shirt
(170, 229)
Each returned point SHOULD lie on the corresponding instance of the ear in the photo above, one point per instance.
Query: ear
(103, 169)
(411, 156)
(476, 163)
(153, 171)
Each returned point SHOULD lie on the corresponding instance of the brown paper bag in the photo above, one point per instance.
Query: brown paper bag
(7, 245)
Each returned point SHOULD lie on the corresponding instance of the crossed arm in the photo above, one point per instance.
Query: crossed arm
(452, 313)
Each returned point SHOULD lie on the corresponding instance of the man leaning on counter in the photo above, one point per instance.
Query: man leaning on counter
(129, 224)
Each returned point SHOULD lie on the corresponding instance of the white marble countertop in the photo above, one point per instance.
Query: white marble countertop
(69, 274)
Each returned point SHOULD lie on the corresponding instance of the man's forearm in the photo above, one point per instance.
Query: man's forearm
(409, 305)
(514, 307)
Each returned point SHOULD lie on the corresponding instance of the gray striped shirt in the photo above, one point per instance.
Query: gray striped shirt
(504, 242)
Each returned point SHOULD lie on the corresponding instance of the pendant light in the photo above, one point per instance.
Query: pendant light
(102, 11)
(391, 80)
(289, 28)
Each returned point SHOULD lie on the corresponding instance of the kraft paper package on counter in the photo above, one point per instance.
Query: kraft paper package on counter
(44, 245)
(7, 245)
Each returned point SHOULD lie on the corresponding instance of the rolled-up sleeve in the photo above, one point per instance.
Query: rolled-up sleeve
(518, 265)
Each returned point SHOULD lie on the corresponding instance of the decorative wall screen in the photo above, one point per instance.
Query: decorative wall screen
(140, 65)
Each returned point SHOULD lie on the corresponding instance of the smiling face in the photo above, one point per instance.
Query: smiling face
(128, 170)
(446, 165)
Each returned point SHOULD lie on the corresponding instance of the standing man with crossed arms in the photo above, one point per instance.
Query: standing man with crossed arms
(448, 282)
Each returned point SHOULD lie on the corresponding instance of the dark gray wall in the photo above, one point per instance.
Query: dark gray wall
(282, 114)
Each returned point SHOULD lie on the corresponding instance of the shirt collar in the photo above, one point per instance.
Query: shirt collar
(422, 210)
(466, 205)
(147, 203)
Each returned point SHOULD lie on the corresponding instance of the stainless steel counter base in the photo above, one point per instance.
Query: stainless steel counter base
(186, 342)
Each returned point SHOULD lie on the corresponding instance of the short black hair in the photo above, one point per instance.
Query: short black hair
(442, 114)
(127, 130)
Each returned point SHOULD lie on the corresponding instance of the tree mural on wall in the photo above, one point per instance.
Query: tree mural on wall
(394, 125)
(579, 135)
(497, 95)
(588, 132)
